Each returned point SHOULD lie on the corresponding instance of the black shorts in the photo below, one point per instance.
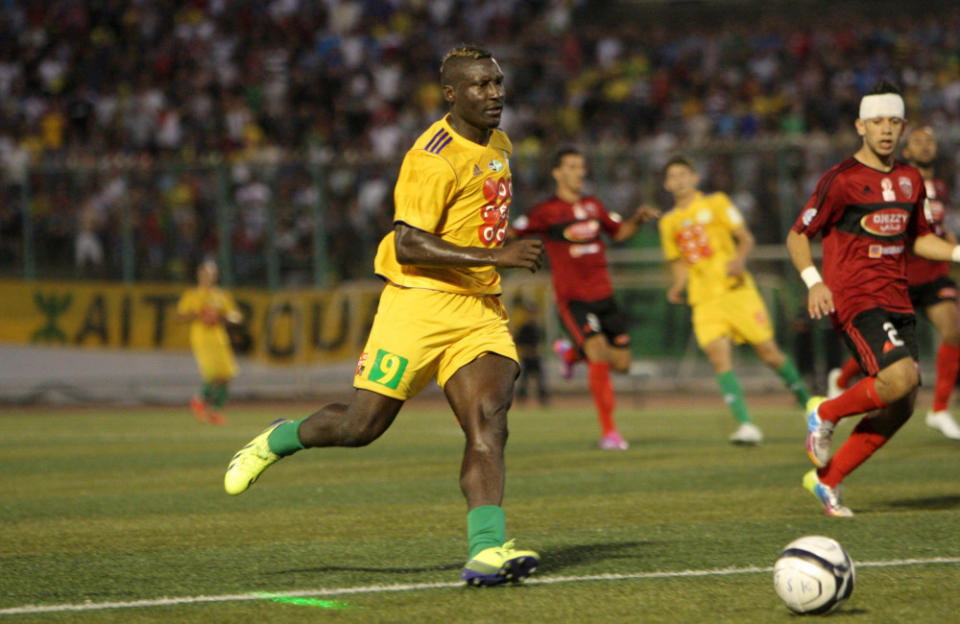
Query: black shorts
(924, 295)
(878, 338)
(584, 319)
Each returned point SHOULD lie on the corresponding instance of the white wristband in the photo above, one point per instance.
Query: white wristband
(955, 256)
(811, 276)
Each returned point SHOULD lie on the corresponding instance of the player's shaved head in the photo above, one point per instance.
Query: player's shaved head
(454, 62)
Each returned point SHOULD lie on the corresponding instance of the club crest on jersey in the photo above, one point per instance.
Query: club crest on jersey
(906, 186)
(495, 165)
(886, 186)
(886, 222)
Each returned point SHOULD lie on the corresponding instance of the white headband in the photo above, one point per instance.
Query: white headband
(881, 105)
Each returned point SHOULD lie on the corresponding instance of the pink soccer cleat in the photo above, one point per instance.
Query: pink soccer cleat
(613, 441)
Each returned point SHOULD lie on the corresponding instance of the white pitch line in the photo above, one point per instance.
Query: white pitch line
(372, 589)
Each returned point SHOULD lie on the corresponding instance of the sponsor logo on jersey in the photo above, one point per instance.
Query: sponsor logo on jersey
(906, 186)
(876, 251)
(808, 216)
(584, 249)
(582, 231)
(495, 165)
(886, 222)
(704, 217)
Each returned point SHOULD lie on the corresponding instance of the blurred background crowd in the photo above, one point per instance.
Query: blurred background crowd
(138, 135)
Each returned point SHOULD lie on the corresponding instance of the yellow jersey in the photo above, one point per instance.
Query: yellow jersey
(702, 234)
(212, 305)
(460, 191)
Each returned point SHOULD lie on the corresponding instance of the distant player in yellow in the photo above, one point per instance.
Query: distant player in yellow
(707, 243)
(208, 308)
(440, 315)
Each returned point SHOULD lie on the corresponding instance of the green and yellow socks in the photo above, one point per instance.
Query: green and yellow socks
(791, 379)
(486, 528)
(285, 438)
(215, 394)
(733, 396)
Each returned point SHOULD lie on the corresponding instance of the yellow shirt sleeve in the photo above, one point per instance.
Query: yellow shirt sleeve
(188, 303)
(670, 249)
(425, 187)
(726, 212)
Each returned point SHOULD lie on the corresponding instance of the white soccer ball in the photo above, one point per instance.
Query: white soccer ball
(813, 574)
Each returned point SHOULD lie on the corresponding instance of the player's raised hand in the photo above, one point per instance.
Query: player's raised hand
(820, 301)
(524, 253)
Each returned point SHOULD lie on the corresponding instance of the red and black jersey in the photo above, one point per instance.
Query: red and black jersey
(920, 270)
(577, 253)
(867, 219)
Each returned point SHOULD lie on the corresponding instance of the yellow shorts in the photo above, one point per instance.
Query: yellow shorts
(420, 334)
(739, 314)
(214, 358)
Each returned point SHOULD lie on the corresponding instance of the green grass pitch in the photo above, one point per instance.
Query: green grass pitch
(123, 505)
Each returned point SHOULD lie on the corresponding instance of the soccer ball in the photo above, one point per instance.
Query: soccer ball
(813, 574)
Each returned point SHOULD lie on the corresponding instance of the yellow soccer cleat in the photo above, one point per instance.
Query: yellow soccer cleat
(497, 565)
(250, 461)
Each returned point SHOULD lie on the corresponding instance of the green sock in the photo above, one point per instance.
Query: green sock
(219, 393)
(733, 395)
(486, 528)
(207, 393)
(791, 378)
(285, 438)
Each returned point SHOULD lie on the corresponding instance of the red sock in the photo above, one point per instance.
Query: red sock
(602, 390)
(861, 444)
(851, 368)
(572, 355)
(862, 397)
(948, 363)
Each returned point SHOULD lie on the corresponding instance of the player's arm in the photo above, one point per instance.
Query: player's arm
(629, 227)
(678, 274)
(745, 244)
(419, 248)
(819, 299)
(932, 247)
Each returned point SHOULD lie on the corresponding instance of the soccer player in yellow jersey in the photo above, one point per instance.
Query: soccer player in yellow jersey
(707, 243)
(208, 308)
(440, 315)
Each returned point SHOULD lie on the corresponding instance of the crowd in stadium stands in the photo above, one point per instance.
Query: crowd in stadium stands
(120, 86)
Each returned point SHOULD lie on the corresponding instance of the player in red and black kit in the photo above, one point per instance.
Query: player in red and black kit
(931, 290)
(869, 210)
(571, 226)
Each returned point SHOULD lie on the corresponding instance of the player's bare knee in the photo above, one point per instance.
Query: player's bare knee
(897, 380)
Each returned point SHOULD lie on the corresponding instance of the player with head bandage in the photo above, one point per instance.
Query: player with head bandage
(932, 290)
(870, 210)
